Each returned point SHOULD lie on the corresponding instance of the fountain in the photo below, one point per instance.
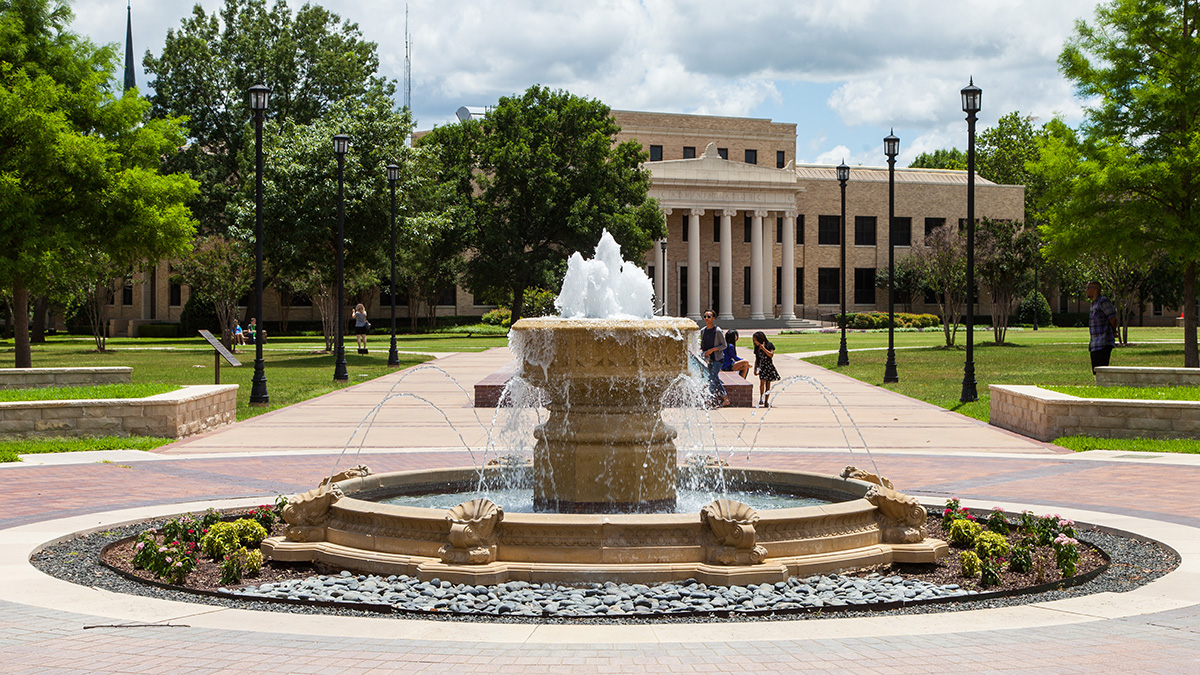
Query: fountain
(604, 476)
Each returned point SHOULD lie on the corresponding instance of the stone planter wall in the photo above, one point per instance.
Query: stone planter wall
(1123, 376)
(1046, 415)
(31, 378)
(177, 414)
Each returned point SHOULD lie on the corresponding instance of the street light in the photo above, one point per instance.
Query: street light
(843, 175)
(663, 244)
(972, 97)
(260, 98)
(341, 143)
(891, 148)
(393, 175)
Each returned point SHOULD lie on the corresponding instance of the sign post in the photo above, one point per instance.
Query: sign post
(220, 353)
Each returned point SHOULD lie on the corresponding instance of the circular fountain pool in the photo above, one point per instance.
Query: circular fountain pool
(520, 500)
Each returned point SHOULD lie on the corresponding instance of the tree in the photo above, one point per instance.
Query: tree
(909, 282)
(1005, 254)
(310, 60)
(942, 259)
(79, 166)
(219, 270)
(550, 179)
(1129, 183)
(1004, 154)
(947, 158)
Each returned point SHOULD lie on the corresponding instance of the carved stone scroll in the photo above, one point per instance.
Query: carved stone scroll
(901, 518)
(731, 525)
(472, 533)
(307, 513)
(353, 472)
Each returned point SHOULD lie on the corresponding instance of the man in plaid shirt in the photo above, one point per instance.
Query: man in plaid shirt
(1102, 326)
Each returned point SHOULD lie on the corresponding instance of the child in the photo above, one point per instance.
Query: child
(764, 367)
(734, 363)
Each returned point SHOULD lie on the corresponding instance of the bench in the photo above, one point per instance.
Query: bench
(489, 389)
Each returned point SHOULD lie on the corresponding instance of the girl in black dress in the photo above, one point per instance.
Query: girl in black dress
(764, 367)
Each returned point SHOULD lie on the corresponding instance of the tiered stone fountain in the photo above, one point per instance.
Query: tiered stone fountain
(604, 477)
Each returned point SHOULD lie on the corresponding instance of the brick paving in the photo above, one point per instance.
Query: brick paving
(927, 451)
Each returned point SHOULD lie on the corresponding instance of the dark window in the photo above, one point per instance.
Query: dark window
(174, 288)
(932, 224)
(714, 289)
(127, 293)
(686, 227)
(799, 285)
(385, 297)
(780, 159)
(962, 224)
(448, 296)
(683, 291)
(827, 285)
(656, 153)
(779, 230)
(716, 227)
(901, 231)
(751, 156)
(799, 229)
(864, 285)
(302, 300)
(745, 285)
(1157, 309)
(864, 230)
(931, 297)
(689, 152)
(828, 230)
(1064, 301)
(749, 224)
(779, 285)
(112, 297)
(723, 152)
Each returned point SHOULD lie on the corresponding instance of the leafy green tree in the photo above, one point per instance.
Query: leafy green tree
(220, 271)
(79, 165)
(1129, 183)
(946, 158)
(1004, 154)
(310, 60)
(909, 281)
(550, 179)
(942, 259)
(1005, 253)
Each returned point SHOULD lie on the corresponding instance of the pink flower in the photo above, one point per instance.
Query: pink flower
(997, 509)
(162, 549)
(168, 559)
(141, 545)
(179, 564)
(1066, 522)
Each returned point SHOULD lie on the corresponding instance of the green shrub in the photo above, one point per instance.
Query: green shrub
(964, 532)
(989, 572)
(1021, 560)
(242, 561)
(225, 538)
(538, 302)
(991, 545)
(997, 521)
(158, 330)
(1066, 554)
(971, 564)
(184, 528)
(171, 561)
(265, 515)
(198, 315)
(879, 320)
(1032, 305)
(501, 316)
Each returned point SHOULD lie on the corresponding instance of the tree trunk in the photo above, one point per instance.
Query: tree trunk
(24, 356)
(40, 309)
(518, 303)
(1190, 359)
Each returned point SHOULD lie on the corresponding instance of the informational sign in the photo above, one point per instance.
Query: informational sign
(221, 353)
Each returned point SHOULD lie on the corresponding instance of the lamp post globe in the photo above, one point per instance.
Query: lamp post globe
(843, 175)
(891, 148)
(260, 99)
(393, 175)
(341, 144)
(972, 99)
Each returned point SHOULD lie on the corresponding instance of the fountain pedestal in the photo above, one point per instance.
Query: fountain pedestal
(605, 447)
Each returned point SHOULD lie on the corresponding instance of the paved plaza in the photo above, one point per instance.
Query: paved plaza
(51, 626)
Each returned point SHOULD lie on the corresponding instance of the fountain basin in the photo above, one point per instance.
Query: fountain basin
(726, 543)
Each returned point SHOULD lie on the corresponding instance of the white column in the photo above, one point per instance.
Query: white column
(756, 266)
(768, 268)
(693, 259)
(660, 279)
(789, 265)
(726, 266)
(664, 290)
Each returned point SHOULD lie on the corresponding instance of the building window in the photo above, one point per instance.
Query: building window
(828, 230)
(748, 236)
(779, 230)
(1157, 309)
(716, 227)
(656, 153)
(800, 230)
(1064, 301)
(448, 297)
(901, 231)
(864, 285)
(751, 156)
(723, 152)
(127, 293)
(779, 285)
(932, 224)
(714, 290)
(685, 227)
(689, 152)
(827, 286)
(174, 288)
(864, 230)
(780, 159)
(745, 285)
(799, 286)
(683, 290)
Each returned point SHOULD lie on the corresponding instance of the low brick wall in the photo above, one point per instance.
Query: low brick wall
(1127, 376)
(177, 414)
(32, 378)
(1046, 415)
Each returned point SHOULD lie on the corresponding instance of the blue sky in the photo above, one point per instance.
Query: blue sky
(845, 71)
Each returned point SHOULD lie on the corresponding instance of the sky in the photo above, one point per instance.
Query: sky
(846, 72)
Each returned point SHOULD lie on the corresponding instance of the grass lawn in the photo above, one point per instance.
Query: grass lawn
(32, 446)
(1138, 393)
(140, 390)
(1083, 443)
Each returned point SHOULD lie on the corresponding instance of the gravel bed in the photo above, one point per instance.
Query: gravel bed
(1134, 563)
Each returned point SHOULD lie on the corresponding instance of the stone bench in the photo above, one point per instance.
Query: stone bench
(32, 378)
(1127, 376)
(489, 389)
(1047, 415)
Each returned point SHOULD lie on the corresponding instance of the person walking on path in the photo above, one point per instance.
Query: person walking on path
(764, 367)
(732, 362)
(712, 346)
(361, 326)
(1102, 326)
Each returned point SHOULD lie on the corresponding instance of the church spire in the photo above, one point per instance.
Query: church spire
(130, 82)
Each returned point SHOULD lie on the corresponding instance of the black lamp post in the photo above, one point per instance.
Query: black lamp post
(971, 99)
(341, 143)
(843, 175)
(891, 148)
(260, 98)
(663, 244)
(393, 175)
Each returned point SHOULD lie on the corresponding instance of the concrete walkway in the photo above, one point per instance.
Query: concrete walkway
(50, 626)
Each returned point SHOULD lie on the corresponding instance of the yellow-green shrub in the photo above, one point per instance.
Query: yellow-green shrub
(991, 545)
(971, 564)
(224, 538)
(964, 532)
